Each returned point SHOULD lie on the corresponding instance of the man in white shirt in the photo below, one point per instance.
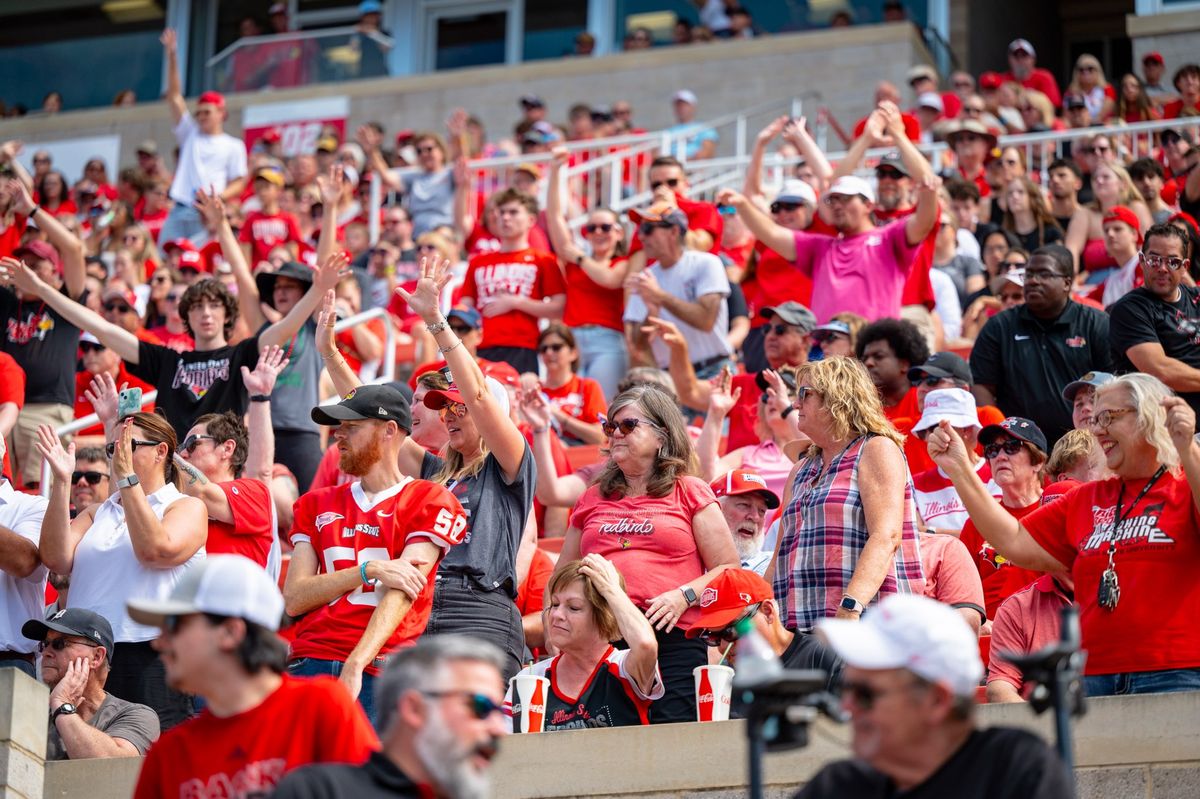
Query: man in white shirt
(1122, 242)
(682, 286)
(209, 158)
(22, 575)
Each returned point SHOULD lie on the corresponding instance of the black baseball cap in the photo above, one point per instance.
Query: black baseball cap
(73, 621)
(943, 364)
(266, 280)
(1017, 427)
(382, 403)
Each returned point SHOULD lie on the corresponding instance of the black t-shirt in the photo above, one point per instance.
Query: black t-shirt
(996, 763)
(42, 343)
(736, 302)
(191, 384)
(1030, 241)
(1140, 317)
(379, 776)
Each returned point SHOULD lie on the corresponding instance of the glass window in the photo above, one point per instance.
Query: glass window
(550, 28)
(471, 40)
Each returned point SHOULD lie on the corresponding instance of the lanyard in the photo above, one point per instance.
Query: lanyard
(1121, 517)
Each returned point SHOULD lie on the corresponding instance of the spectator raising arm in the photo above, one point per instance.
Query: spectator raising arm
(921, 221)
(174, 95)
(327, 274)
(752, 186)
(766, 230)
(561, 239)
(464, 200)
(70, 248)
(212, 208)
(720, 402)
(8, 155)
(371, 141)
(796, 133)
(553, 490)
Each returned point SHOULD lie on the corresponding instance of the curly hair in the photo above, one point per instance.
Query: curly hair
(209, 290)
(848, 394)
(602, 615)
(228, 427)
(903, 337)
(1146, 393)
(676, 458)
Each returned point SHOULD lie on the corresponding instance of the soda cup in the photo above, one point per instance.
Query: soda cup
(714, 692)
(529, 694)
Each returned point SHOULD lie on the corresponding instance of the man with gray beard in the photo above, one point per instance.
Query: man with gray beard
(745, 500)
(439, 709)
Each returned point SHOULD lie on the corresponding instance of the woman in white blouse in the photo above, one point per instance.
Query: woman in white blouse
(134, 545)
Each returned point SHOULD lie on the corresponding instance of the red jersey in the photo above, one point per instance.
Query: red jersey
(84, 408)
(306, 720)
(524, 273)
(1001, 579)
(12, 389)
(580, 397)
(180, 342)
(253, 528)
(265, 232)
(153, 222)
(346, 530)
(589, 303)
(776, 280)
(1153, 627)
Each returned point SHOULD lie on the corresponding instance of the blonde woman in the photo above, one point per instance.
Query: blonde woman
(1088, 80)
(1112, 186)
(848, 536)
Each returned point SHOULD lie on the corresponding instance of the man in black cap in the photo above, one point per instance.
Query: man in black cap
(85, 720)
(382, 529)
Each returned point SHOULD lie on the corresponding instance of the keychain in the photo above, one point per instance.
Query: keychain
(1109, 593)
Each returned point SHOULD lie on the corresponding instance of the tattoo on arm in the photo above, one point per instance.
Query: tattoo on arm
(194, 475)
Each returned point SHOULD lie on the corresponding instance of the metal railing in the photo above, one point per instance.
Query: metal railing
(298, 58)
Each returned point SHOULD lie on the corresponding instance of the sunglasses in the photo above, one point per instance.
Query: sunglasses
(161, 279)
(779, 330)
(88, 346)
(119, 307)
(963, 84)
(648, 228)
(889, 174)
(1013, 264)
(1010, 448)
(111, 446)
(864, 696)
(669, 182)
(729, 631)
(453, 408)
(59, 644)
(1163, 262)
(93, 478)
(461, 330)
(171, 298)
(551, 348)
(930, 381)
(191, 442)
(480, 705)
(804, 392)
(424, 150)
(599, 227)
(627, 426)
(779, 207)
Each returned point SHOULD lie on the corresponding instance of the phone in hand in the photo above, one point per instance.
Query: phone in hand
(129, 400)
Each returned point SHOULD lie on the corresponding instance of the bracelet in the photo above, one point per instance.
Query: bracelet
(33, 213)
(362, 572)
(260, 397)
(330, 356)
(444, 350)
(539, 430)
(784, 413)
(436, 327)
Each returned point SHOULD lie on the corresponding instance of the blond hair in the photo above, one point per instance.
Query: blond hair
(602, 615)
(1075, 446)
(848, 394)
(1146, 393)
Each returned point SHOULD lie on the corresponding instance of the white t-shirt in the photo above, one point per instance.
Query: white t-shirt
(205, 161)
(946, 304)
(21, 598)
(693, 276)
(107, 573)
(1120, 282)
(937, 499)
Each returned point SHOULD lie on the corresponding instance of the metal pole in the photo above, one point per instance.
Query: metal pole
(757, 749)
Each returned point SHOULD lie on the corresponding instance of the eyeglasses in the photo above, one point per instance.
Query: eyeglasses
(111, 446)
(457, 409)
(93, 478)
(778, 206)
(648, 228)
(930, 381)
(119, 307)
(191, 442)
(1010, 448)
(599, 227)
(88, 346)
(729, 631)
(804, 392)
(543, 349)
(972, 111)
(1102, 148)
(627, 426)
(1103, 419)
(1163, 262)
(1041, 275)
(779, 330)
(59, 644)
(669, 182)
(865, 696)
(481, 705)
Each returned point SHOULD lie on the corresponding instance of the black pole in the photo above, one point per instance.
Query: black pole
(1062, 716)
(757, 748)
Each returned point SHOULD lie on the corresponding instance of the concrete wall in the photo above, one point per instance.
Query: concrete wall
(843, 65)
(1146, 747)
(1176, 35)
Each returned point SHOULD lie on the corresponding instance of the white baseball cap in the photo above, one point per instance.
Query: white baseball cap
(955, 405)
(931, 100)
(1021, 44)
(684, 96)
(850, 185)
(796, 190)
(904, 631)
(224, 585)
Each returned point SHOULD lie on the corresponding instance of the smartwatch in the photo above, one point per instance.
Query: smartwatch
(65, 709)
(850, 603)
(128, 482)
(688, 594)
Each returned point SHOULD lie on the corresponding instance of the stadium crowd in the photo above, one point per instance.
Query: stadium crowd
(973, 381)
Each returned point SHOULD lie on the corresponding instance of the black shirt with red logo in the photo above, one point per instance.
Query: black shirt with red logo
(42, 343)
(191, 384)
(1142, 317)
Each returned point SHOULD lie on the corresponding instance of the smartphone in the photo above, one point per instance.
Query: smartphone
(129, 401)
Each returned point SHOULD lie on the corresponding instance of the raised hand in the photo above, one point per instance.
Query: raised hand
(334, 268)
(211, 207)
(1181, 423)
(778, 397)
(560, 157)
(533, 406)
(271, 362)
(730, 197)
(122, 457)
(773, 129)
(456, 125)
(930, 184)
(326, 319)
(17, 274)
(62, 461)
(946, 447)
(721, 400)
(22, 201)
(331, 185)
(102, 393)
(170, 41)
(368, 138)
(425, 299)
(877, 128)
(10, 150)
(796, 130)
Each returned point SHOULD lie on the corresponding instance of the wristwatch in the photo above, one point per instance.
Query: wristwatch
(128, 482)
(851, 604)
(688, 594)
(65, 709)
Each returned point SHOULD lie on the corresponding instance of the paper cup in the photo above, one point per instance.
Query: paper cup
(529, 694)
(714, 691)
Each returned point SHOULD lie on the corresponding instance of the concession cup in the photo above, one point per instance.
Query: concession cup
(714, 691)
(529, 694)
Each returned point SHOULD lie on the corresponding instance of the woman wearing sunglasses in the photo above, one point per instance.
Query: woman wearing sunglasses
(660, 524)
(576, 403)
(592, 684)
(1016, 453)
(594, 275)
(135, 545)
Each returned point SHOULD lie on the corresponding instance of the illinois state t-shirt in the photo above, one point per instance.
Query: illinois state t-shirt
(525, 273)
(191, 384)
(649, 539)
(44, 344)
(306, 720)
(265, 232)
(1153, 627)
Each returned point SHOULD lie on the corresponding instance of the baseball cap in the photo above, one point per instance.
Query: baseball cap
(529, 168)
(179, 244)
(1016, 276)
(931, 100)
(660, 212)
(1073, 100)
(439, 399)
(541, 133)
(821, 332)
(955, 405)
(922, 71)
(1093, 379)
(1154, 56)
(990, 81)
(793, 313)
(726, 599)
(1017, 427)
(905, 631)
(943, 364)
(382, 403)
(148, 146)
(42, 250)
(272, 136)
(327, 144)
(892, 161)
(193, 259)
(223, 585)
(73, 621)
(271, 174)
(212, 98)
(531, 101)
(1018, 45)
(500, 371)
(795, 190)
(744, 481)
(369, 7)
(468, 316)
(788, 378)
(684, 96)
(117, 292)
(1120, 213)
(850, 185)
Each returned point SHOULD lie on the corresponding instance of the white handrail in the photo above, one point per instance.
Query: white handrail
(274, 38)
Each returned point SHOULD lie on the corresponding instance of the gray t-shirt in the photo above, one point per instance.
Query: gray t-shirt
(430, 200)
(497, 510)
(693, 276)
(135, 723)
(959, 268)
(295, 393)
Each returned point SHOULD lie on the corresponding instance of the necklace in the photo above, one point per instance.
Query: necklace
(1109, 593)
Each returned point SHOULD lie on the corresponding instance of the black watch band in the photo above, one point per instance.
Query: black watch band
(260, 397)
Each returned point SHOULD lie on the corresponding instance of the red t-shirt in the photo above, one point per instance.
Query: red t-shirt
(906, 407)
(531, 596)
(744, 414)
(649, 539)
(1175, 110)
(84, 408)
(1153, 627)
(1027, 621)
(1001, 579)
(265, 232)
(700, 215)
(950, 575)
(12, 389)
(912, 126)
(306, 720)
(153, 222)
(10, 237)
(589, 303)
(580, 397)
(180, 342)
(481, 241)
(525, 273)
(253, 528)
(979, 179)
(776, 281)
(346, 530)
(1040, 79)
(345, 343)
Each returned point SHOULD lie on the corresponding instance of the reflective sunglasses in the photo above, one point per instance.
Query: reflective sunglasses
(458, 409)
(599, 227)
(481, 705)
(803, 393)
(779, 206)
(1010, 448)
(669, 182)
(59, 644)
(627, 426)
(111, 447)
(931, 381)
(90, 346)
(648, 228)
(551, 348)
(461, 330)
(93, 478)
(191, 442)
(1163, 262)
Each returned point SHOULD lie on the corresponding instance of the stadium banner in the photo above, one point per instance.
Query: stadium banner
(299, 122)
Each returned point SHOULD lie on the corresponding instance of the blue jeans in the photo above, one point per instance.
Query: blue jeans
(311, 667)
(183, 222)
(14, 663)
(602, 357)
(1143, 682)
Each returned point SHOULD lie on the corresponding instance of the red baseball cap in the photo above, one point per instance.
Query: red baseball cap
(744, 481)
(179, 244)
(272, 136)
(990, 80)
(41, 250)
(1119, 213)
(501, 371)
(1153, 55)
(212, 98)
(727, 598)
(193, 259)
